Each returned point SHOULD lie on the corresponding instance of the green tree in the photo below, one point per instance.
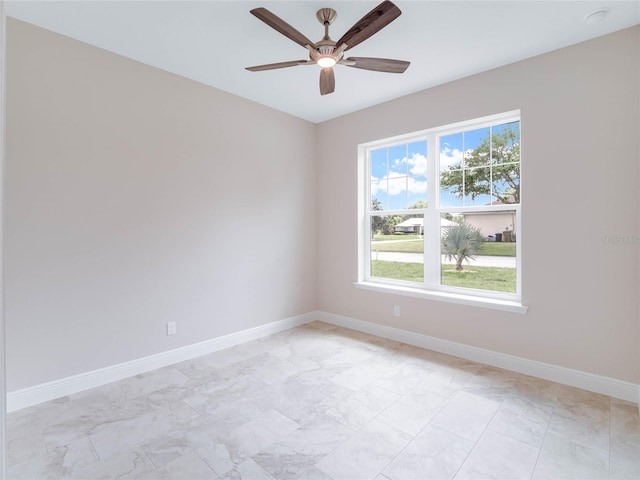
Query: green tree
(461, 242)
(382, 223)
(419, 204)
(498, 160)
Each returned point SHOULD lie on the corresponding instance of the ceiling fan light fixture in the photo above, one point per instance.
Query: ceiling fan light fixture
(326, 61)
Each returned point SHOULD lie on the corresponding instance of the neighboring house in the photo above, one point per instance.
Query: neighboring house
(416, 225)
(492, 223)
(411, 225)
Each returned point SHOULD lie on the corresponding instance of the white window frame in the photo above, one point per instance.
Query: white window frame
(431, 288)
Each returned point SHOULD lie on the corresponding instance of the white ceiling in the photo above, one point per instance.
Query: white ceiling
(212, 41)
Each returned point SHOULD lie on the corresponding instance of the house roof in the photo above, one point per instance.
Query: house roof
(419, 221)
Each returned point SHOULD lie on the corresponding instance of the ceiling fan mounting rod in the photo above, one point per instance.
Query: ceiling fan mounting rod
(326, 16)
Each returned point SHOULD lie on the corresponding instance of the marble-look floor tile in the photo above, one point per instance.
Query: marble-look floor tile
(362, 407)
(536, 390)
(144, 384)
(300, 399)
(316, 474)
(422, 358)
(434, 453)
(228, 448)
(40, 467)
(122, 436)
(625, 422)
(413, 411)
(490, 382)
(247, 470)
(522, 420)
(447, 380)
(584, 424)
(75, 455)
(225, 392)
(321, 402)
(314, 346)
(165, 448)
(561, 458)
(25, 442)
(582, 417)
(575, 400)
(123, 466)
(361, 375)
(297, 453)
(466, 415)
(189, 466)
(625, 440)
(365, 454)
(403, 378)
(267, 368)
(625, 461)
(496, 456)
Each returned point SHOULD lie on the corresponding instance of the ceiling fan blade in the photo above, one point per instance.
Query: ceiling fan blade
(327, 81)
(273, 66)
(370, 24)
(378, 64)
(281, 26)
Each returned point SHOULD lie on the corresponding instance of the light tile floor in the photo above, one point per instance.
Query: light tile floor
(321, 402)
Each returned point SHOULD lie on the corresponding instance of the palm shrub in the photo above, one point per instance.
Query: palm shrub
(461, 242)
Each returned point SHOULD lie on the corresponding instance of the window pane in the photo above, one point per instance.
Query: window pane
(451, 152)
(505, 143)
(477, 186)
(397, 247)
(479, 251)
(378, 163)
(506, 184)
(398, 160)
(476, 148)
(451, 176)
(417, 158)
(397, 193)
(451, 188)
(379, 195)
(417, 181)
(417, 197)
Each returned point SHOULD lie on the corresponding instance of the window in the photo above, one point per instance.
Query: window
(440, 211)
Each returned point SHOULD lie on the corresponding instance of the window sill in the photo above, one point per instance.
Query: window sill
(459, 299)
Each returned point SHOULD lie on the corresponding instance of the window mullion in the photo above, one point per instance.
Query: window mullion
(432, 218)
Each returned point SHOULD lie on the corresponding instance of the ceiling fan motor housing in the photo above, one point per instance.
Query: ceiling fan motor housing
(326, 15)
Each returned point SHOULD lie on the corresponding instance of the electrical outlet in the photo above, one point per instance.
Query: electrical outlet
(171, 328)
(396, 311)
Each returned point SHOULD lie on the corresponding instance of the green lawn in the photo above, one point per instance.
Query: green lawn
(485, 278)
(396, 236)
(500, 249)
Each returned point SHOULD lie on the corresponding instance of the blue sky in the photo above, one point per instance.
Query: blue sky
(399, 175)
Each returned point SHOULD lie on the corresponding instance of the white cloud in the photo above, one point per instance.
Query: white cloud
(450, 157)
(397, 185)
(417, 165)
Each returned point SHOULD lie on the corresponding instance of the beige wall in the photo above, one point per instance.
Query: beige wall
(136, 197)
(580, 152)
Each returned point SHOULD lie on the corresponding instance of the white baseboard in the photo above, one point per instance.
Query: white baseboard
(588, 381)
(26, 397)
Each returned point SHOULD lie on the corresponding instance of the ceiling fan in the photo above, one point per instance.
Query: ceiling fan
(326, 53)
